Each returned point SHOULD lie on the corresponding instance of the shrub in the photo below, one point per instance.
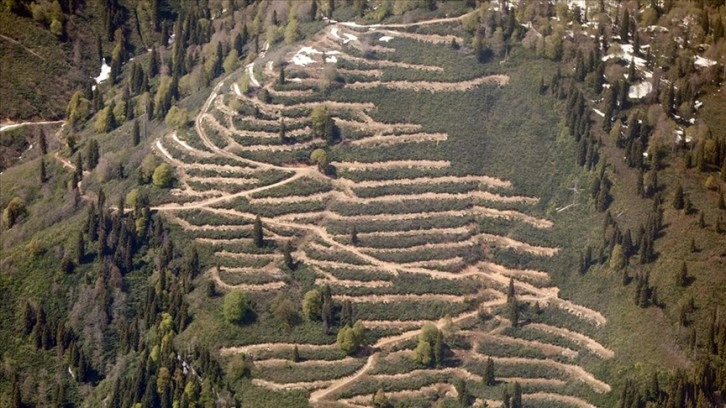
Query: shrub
(162, 176)
(235, 307)
(14, 211)
(312, 305)
(177, 117)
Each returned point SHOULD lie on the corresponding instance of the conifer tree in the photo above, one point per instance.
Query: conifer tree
(489, 375)
(135, 133)
(257, 233)
(80, 248)
(678, 198)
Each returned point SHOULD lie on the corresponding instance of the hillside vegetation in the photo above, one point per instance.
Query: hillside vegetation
(447, 203)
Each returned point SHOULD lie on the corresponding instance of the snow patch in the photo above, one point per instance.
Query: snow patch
(639, 90)
(304, 56)
(626, 53)
(657, 28)
(350, 37)
(704, 62)
(105, 72)
(295, 79)
(385, 38)
(698, 105)
(599, 112)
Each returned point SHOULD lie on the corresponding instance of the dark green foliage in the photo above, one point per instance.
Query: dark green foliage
(489, 374)
(92, 154)
(257, 233)
(678, 198)
(135, 133)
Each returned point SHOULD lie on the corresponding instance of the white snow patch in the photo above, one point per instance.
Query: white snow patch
(385, 38)
(692, 121)
(237, 91)
(704, 62)
(349, 37)
(599, 112)
(698, 105)
(334, 33)
(304, 56)
(181, 142)
(657, 28)
(639, 90)
(105, 72)
(295, 79)
(626, 53)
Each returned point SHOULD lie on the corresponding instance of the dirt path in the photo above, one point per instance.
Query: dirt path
(11, 126)
(417, 233)
(442, 389)
(14, 41)
(402, 298)
(310, 385)
(343, 382)
(433, 86)
(553, 382)
(244, 286)
(392, 164)
(574, 371)
(578, 338)
(250, 349)
(548, 396)
(276, 362)
(506, 242)
(484, 180)
(546, 348)
(511, 214)
(395, 140)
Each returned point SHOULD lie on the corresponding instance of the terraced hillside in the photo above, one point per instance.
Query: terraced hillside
(394, 228)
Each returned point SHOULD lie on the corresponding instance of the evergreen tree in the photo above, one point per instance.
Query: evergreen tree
(354, 236)
(439, 349)
(154, 62)
(516, 396)
(257, 233)
(135, 133)
(287, 256)
(79, 168)
(295, 354)
(489, 374)
(29, 318)
(92, 154)
(624, 25)
(80, 248)
(678, 198)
